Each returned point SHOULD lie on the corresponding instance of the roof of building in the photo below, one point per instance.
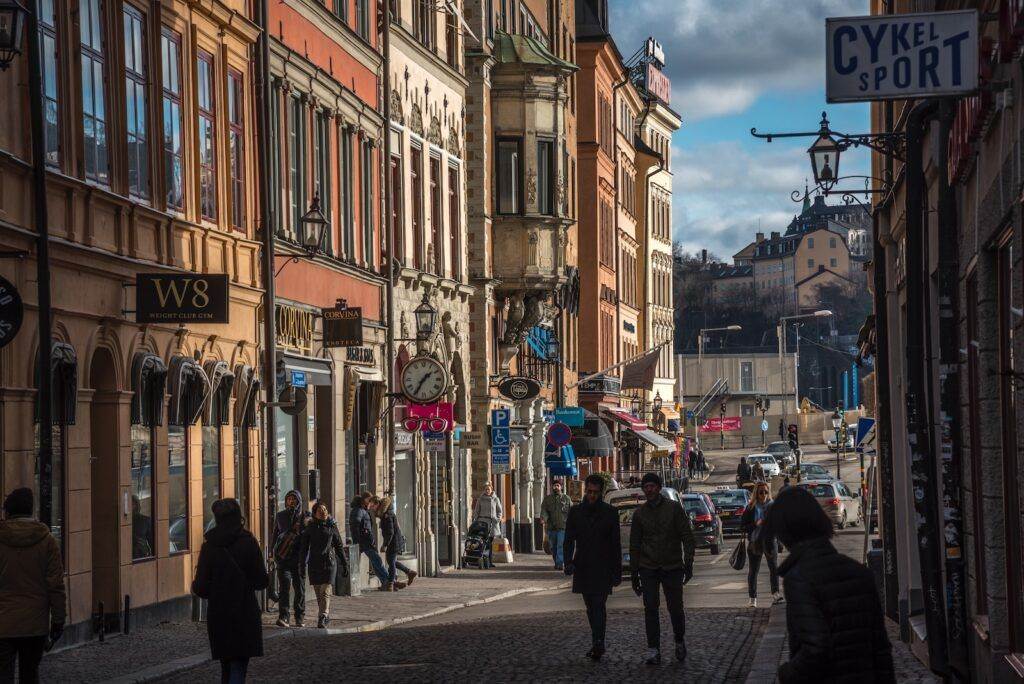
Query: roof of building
(822, 270)
(747, 252)
(723, 271)
(520, 49)
(817, 214)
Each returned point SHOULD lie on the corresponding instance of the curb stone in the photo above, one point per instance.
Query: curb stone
(162, 670)
(765, 663)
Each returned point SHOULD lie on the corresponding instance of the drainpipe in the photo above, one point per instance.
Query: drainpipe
(922, 450)
(389, 238)
(615, 239)
(267, 224)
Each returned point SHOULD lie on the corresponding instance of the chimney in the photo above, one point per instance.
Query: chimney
(776, 236)
(759, 237)
(704, 257)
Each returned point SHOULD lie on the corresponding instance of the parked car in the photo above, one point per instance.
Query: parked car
(782, 453)
(848, 446)
(707, 526)
(812, 471)
(730, 504)
(838, 502)
(626, 501)
(768, 464)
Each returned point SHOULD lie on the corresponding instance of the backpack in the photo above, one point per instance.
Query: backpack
(285, 543)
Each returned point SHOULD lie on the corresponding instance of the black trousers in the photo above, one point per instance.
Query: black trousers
(28, 651)
(671, 583)
(291, 583)
(754, 566)
(597, 616)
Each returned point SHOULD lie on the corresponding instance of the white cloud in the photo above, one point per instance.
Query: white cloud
(723, 54)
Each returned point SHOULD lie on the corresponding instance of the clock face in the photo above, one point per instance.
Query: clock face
(424, 380)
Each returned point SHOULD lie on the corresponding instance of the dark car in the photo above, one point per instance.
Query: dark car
(784, 456)
(707, 526)
(730, 504)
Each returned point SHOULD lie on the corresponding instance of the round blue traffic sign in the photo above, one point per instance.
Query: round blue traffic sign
(559, 434)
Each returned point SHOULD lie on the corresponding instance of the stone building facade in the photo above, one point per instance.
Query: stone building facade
(153, 422)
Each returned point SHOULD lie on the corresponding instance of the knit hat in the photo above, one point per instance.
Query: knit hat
(19, 502)
(651, 477)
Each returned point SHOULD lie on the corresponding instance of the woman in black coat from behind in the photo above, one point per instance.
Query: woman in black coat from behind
(325, 559)
(593, 556)
(229, 573)
(833, 613)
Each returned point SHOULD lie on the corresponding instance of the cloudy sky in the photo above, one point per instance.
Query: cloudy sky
(737, 64)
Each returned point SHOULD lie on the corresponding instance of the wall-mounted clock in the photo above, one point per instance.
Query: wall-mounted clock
(424, 380)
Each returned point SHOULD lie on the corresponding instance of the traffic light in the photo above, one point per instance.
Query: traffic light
(723, 408)
(794, 439)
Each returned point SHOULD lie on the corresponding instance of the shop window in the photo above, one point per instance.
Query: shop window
(285, 443)
(142, 490)
(58, 464)
(247, 394)
(546, 177)
(1008, 417)
(207, 136)
(211, 472)
(177, 488)
(136, 79)
(236, 147)
(94, 105)
(436, 222)
(455, 222)
(48, 66)
(509, 177)
(241, 454)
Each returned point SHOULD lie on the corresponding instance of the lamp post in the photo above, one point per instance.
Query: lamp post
(837, 420)
(12, 25)
(780, 332)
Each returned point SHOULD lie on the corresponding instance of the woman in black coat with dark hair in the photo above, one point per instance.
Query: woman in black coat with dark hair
(593, 556)
(833, 613)
(229, 573)
(325, 559)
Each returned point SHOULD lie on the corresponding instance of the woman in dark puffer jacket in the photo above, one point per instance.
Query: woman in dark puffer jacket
(833, 613)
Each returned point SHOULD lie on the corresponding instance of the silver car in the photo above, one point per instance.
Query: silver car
(625, 502)
(840, 504)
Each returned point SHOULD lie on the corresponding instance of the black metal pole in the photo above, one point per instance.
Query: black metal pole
(268, 222)
(922, 454)
(42, 221)
(389, 236)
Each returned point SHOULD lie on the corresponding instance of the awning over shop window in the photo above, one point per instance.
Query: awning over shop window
(189, 389)
(222, 382)
(149, 380)
(659, 443)
(562, 461)
(624, 417)
(318, 371)
(593, 439)
(247, 390)
(64, 371)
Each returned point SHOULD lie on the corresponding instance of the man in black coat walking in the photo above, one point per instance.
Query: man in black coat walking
(287, 542)
(229, 573)
(593, 556)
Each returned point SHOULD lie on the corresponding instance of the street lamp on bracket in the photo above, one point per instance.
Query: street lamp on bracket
(12, 25)
(314, 227)
(828, 147)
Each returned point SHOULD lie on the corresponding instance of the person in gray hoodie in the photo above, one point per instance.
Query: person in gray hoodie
(32, 599)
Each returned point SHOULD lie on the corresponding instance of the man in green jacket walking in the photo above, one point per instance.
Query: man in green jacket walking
(661, 547)
(553, 511)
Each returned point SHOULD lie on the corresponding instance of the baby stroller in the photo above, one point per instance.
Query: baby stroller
(477, 550)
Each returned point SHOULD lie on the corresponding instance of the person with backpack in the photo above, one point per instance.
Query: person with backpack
(33, 604)
(392, 544)
(360, 527)
(229, 573)
(325, 559)
(286, 541)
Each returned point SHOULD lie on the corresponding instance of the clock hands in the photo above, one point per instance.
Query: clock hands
(423, 380)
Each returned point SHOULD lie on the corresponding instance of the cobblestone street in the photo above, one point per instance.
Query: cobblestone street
(546, 646)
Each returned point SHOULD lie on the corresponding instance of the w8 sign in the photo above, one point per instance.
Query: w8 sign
(901, 56)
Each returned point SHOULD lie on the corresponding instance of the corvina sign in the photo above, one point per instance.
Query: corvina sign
(901, 56)
(343, 327)
(181, 298)
(12, 312)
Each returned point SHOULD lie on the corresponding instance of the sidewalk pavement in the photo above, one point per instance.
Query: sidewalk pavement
(773, 650)
(170, 647)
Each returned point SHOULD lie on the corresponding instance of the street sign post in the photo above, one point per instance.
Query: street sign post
(559, 434)
(904, 56)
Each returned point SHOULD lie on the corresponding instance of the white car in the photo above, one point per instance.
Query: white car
(768, 464)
